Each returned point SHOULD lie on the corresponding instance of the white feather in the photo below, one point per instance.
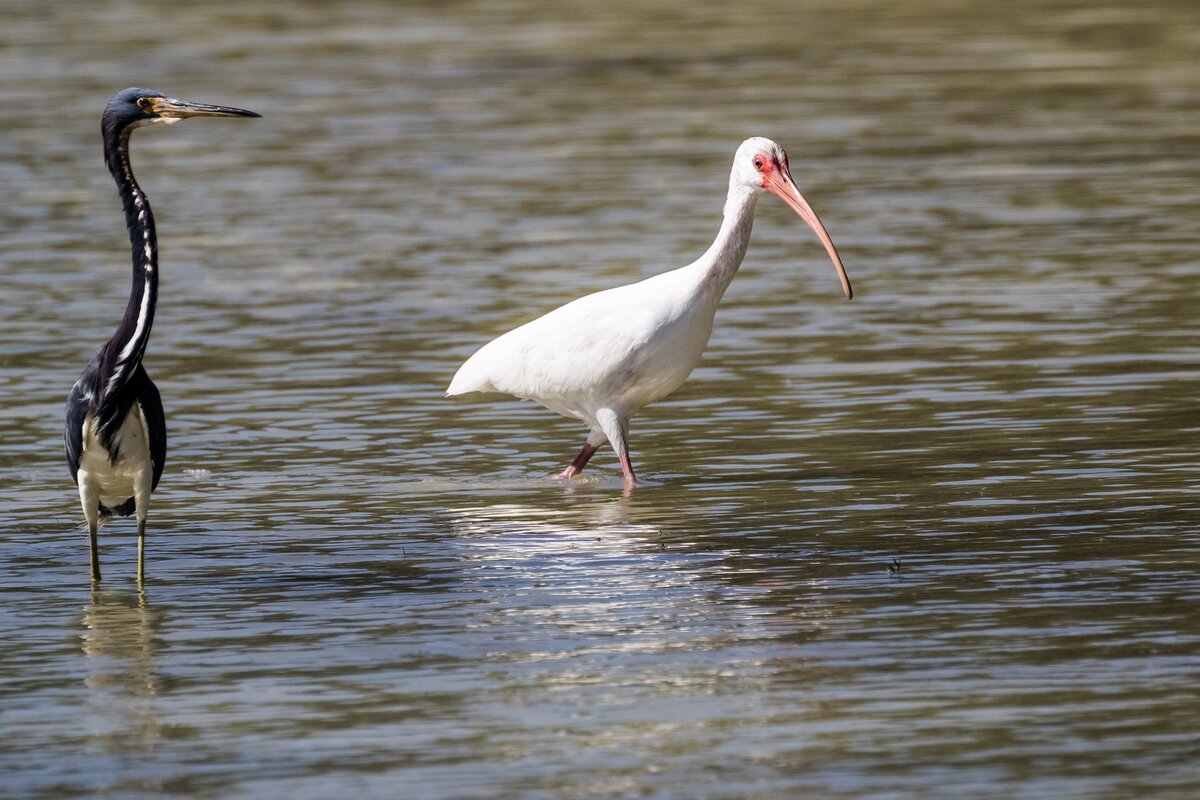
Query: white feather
(603, 357)
(114, 483)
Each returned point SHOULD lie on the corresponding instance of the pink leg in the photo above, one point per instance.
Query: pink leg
(581, 460)
(627, 469)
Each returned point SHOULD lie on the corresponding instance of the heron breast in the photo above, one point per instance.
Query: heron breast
(116, 476)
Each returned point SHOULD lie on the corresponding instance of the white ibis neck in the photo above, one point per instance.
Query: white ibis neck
(720, 262)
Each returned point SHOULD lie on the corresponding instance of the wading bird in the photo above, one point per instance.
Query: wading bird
(603, 357)
(116, 435)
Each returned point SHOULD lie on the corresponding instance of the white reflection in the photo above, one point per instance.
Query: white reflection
(120, 640)
(596, 567)
(510, 527)
(593, 572)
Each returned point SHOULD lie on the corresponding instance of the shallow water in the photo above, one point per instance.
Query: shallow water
(938, 542)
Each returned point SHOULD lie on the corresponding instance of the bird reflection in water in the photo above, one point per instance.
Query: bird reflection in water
(120, 638)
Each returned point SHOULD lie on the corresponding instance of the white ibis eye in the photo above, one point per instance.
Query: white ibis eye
(758, 163)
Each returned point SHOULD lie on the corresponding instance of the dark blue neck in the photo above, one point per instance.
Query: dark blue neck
(123, 352)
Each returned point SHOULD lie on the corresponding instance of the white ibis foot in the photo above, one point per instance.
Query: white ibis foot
(581, 460)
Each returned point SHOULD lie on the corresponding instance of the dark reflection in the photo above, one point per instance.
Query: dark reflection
(121, 637)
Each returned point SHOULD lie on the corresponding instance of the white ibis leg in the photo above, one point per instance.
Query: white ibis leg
(594, 440)
(89, 498)
(581, 460)
(627, 469)
(616, 428)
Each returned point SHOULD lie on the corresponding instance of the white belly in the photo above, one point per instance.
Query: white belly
(114, 483)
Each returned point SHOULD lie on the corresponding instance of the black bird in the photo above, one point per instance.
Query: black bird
(116, 434)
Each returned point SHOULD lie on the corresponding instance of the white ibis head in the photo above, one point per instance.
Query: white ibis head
(762, 164)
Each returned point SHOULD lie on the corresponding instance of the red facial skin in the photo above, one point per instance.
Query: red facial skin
(777, 179)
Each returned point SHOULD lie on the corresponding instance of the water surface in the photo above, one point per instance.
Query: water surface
(938, 542)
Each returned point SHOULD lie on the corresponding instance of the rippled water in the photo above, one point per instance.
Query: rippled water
(360, 587)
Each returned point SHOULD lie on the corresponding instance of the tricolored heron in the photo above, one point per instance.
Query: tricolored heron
(116, 434)
(603, 357)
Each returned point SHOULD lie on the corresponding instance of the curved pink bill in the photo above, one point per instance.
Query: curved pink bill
(780, 183)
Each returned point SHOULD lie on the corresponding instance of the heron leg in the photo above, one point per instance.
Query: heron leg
(141, 500)
(141, 568)
(94, 547)
(89, 498)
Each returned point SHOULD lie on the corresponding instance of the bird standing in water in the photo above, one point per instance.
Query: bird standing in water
(116, 434)
(603, 357)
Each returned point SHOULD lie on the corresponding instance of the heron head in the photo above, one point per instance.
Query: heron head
(136, 107)
(762, 164)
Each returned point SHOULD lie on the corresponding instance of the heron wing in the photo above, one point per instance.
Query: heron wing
(79, 401)
(150, 403)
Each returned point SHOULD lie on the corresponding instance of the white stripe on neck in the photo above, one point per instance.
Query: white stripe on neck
(127, 351)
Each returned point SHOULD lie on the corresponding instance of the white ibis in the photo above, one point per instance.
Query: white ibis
(603, 357)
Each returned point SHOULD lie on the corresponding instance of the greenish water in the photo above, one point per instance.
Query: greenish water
(360, 587)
